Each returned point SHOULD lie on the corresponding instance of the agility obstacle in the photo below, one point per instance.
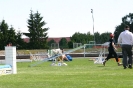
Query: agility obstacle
(101, 57)
(54, 57)
(10, 61)
(37, 56)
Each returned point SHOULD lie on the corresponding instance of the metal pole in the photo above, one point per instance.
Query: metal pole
(84, 50)
(93, 24)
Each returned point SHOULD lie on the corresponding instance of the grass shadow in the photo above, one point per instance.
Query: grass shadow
(101, 66)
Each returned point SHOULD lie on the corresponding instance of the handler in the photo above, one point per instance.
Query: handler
(112, 51)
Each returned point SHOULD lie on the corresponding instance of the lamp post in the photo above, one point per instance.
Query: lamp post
(93, 24)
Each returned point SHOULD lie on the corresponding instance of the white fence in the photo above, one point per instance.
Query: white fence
(95, 49)
(99, 49)
(85, 50)
(38, 56)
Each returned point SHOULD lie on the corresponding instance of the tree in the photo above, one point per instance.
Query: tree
(81, 37)
(97, 38)
(37, 34)
(3, 34)
(70, 44)
(63, 43)
(20, 44)
(12, 36)
(105, 37)
(90, 37)
(50, 42)
(126, 20)
(118, 30)
(75, 38)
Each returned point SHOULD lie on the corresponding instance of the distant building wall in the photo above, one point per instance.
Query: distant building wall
(56, 39)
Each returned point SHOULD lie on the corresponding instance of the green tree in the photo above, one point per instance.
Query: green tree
(118, 30)
(12, 36)
(20, 44)
(37, 34)
(126, 20)
(3, 34)
(90, 37)
(50, 42)
(97, 38)
(81, 37)
(63, 43)
(105, 37)
(70, 44)
(75, 38)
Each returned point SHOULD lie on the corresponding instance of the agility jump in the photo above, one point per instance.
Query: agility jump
(54, 57)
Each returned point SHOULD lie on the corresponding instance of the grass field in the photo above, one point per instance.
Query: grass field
(80, 73)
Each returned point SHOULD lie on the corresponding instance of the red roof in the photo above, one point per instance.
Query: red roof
(26, 40)
(56, 39)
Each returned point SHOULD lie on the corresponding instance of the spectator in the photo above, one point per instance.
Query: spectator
(126, 40)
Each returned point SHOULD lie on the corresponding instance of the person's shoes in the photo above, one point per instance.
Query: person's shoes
(130, 66)
(125, 67)
(119, 64)
(104, 63)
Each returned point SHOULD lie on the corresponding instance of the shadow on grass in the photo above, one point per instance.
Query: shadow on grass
(101, 66)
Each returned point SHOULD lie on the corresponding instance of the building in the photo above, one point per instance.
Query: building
(56, 39)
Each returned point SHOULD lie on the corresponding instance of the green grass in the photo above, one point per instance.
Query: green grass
(80, 73)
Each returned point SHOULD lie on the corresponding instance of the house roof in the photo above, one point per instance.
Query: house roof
(26, 40)
(56, 39)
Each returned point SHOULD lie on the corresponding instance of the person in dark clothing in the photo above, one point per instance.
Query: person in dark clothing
(112, 50)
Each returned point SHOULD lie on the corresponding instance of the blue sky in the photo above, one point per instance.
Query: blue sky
(65, 17)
